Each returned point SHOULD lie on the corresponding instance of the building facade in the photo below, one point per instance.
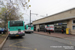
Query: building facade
(65, 19)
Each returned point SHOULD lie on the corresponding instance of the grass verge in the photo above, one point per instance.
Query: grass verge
(2, 37)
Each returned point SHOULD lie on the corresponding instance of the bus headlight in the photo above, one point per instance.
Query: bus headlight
(9, 32)
(24, 31)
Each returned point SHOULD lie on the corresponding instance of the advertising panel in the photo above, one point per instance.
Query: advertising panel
(49, 27)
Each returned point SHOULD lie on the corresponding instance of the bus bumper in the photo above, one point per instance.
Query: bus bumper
(16, 35)
(28, 31)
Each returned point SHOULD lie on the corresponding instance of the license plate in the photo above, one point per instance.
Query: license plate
(17, 35)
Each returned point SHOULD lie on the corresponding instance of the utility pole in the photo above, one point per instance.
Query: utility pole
(30, 17)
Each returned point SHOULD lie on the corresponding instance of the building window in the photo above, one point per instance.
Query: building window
(73, 21)
(73, 27)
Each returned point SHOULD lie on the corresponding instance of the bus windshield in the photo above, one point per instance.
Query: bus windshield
(30, 25)
(16, 23)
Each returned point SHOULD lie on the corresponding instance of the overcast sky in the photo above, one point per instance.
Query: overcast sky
(49, 7)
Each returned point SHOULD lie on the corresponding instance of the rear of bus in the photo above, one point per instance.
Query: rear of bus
(16, 28)
(29, 29)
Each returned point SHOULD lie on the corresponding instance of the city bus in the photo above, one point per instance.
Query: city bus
(16, 28)
(29, 28)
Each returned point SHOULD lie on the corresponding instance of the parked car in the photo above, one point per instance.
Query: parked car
(3, 30)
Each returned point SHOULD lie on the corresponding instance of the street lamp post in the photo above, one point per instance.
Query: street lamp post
(33, 14)
(30, 17)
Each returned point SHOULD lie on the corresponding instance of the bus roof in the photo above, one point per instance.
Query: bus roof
(16, 20)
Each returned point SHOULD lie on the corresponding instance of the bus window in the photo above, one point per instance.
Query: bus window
(16, 23)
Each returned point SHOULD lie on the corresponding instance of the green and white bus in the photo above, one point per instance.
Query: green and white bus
(16, 28)
(29, 28)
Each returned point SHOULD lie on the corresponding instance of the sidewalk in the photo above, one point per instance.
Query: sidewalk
(3, 38)
(59, 35)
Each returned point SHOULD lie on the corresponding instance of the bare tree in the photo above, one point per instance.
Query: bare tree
(10, 9)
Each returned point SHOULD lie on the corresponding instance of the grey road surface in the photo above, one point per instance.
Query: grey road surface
(36, 42)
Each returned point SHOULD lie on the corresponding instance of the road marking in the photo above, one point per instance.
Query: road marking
(22, 47)
(35, 49)
(15, 43)
(70, 43)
